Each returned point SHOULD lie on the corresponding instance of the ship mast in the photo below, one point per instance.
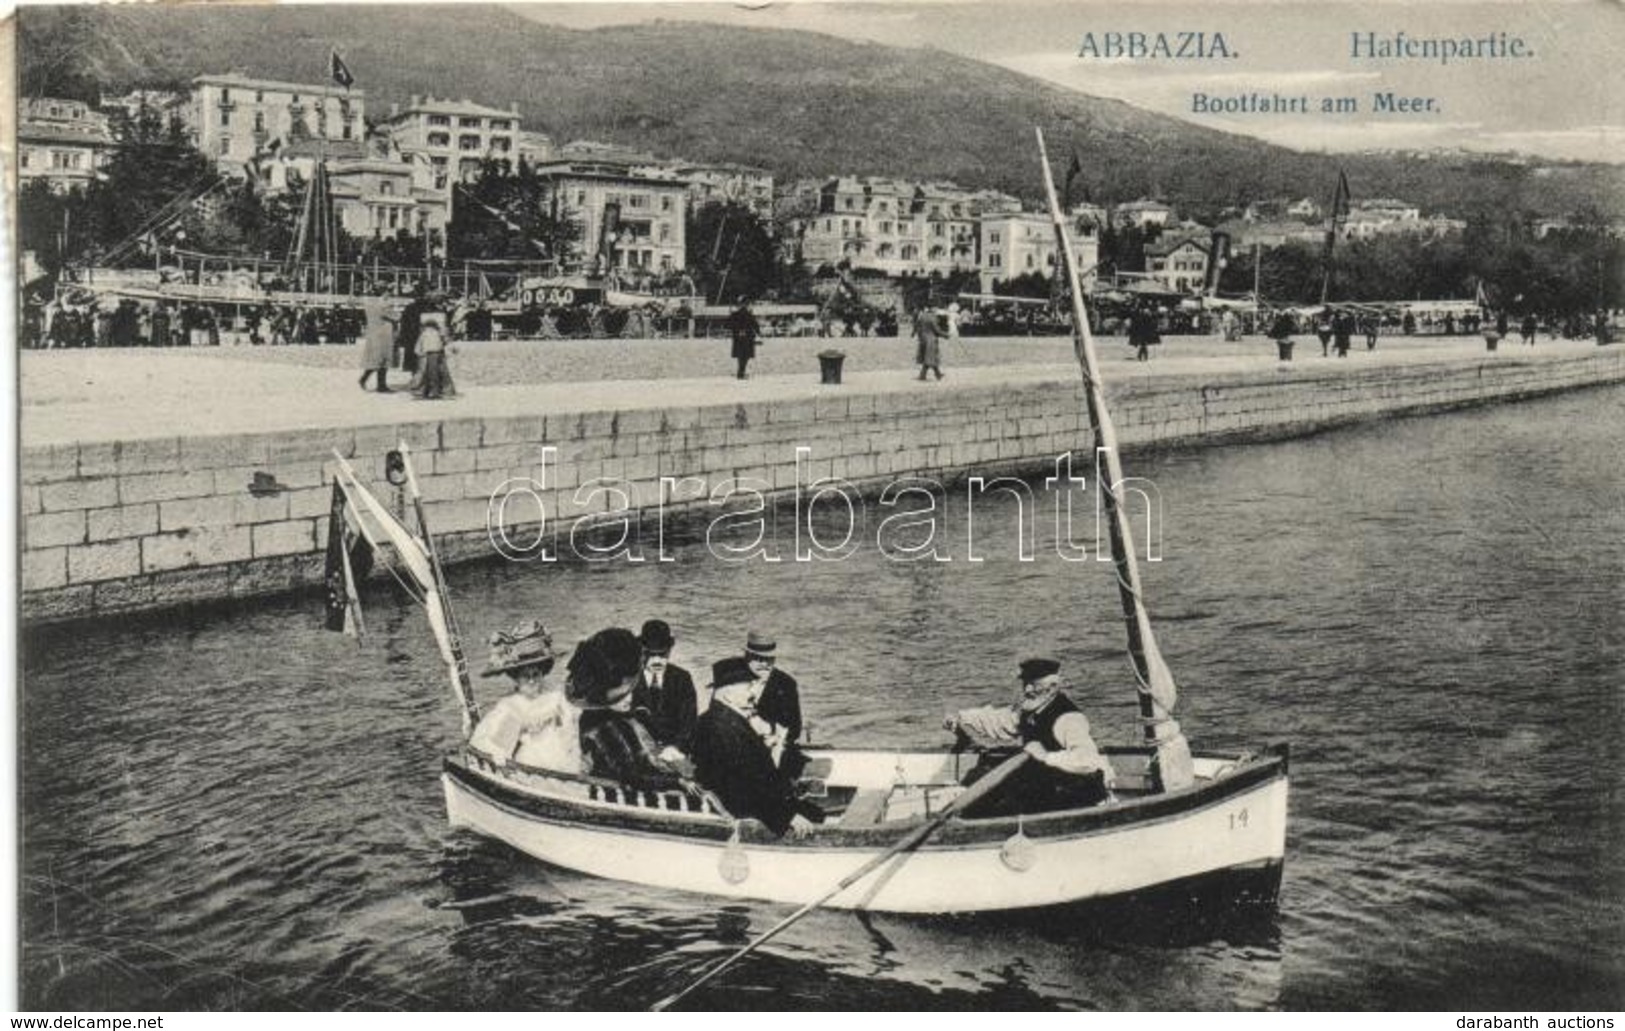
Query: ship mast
(1157, 693)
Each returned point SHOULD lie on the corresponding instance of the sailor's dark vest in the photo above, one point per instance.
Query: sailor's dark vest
(1040, 726)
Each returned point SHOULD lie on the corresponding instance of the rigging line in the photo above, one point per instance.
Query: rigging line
(185, 197)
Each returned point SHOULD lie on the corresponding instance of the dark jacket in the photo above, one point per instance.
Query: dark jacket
(731, 760)
(780, 702)
(616, 746)
(671, 714)
(744, 330)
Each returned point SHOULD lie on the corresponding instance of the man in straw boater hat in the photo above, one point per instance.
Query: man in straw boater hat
(664, 697)
(776, 696)
(615, 744)
(733, 759)
(1069, 771)
(535, 725)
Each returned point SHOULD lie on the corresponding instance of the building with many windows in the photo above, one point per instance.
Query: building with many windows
(1019, 243)
(452, 137)
(890, 225)
(1178, 261)
(235, 119)
(631, 218)
(729, 183)
(60, 142)
(376, 191)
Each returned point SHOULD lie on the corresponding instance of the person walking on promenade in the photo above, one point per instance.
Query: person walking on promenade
(406, 334)
(432, 337)
(746, 334)
(1502, 325)
(1281, 332)
(1142, 333)
(1342, 332)
(1530, 325)
(1323, 329)
(1368, 326)
(928, 350)
(378, 341)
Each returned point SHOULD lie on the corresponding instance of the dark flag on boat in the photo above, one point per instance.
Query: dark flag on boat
(1340, 199)
(341, 72)
(1339, 211)
(347, 551)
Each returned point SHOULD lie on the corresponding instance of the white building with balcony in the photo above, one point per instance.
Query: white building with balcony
(631, 219)
(454, 136)
(234, 119)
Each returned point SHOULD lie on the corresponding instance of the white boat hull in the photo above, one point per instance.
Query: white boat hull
(1121, 848)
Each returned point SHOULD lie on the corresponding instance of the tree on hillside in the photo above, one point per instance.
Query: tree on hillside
(53, 64)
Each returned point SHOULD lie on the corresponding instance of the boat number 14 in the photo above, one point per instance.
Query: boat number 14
(1238, 819)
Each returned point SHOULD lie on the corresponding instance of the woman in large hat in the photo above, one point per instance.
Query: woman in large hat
(615, 744)
(535, 725)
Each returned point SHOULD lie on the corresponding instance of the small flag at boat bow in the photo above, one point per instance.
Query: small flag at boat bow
(347, 551)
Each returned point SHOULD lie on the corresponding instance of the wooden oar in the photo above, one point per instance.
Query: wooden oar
(976, 791)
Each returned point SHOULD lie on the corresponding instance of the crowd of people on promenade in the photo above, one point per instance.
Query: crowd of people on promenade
(628, 714)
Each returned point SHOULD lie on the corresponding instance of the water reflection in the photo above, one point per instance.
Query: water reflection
(230, 808)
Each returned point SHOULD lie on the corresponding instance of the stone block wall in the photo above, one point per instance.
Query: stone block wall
(109, 528)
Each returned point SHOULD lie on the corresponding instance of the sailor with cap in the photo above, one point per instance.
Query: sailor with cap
(733, 760)
(1044, 721)
(777, 698)
(664, 697)
(535, 725)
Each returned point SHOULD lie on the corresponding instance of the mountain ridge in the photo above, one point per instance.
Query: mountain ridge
(800, 104)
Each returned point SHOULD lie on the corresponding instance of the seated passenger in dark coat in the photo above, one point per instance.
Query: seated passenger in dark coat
(663, 697)
(733, 760)
(614, 744)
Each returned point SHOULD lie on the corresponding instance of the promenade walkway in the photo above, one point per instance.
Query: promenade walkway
(106, 395)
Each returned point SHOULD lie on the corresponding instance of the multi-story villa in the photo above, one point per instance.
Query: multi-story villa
(630, 218)
(60, 142)
(1023, 242)
(454, 136)
(234, 119)
(1178, 261)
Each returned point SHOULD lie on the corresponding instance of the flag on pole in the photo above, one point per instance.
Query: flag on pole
(346, 550)
(1073, 170)
(1340, 199)
(341, 72)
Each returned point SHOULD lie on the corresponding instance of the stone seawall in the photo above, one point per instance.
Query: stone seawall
(118, 527)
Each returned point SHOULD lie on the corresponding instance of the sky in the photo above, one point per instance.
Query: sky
(1566, 100)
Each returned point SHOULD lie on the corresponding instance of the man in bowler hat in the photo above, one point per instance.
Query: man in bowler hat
(664, 698)
(734, 759)
(1067, 770)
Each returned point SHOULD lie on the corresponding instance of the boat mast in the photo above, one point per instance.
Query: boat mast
(1171, 764)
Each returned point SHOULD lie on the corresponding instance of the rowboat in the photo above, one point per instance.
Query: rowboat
(900, 832)
(1228, 827)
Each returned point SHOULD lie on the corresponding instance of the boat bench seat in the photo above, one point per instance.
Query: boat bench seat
(866, 808)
